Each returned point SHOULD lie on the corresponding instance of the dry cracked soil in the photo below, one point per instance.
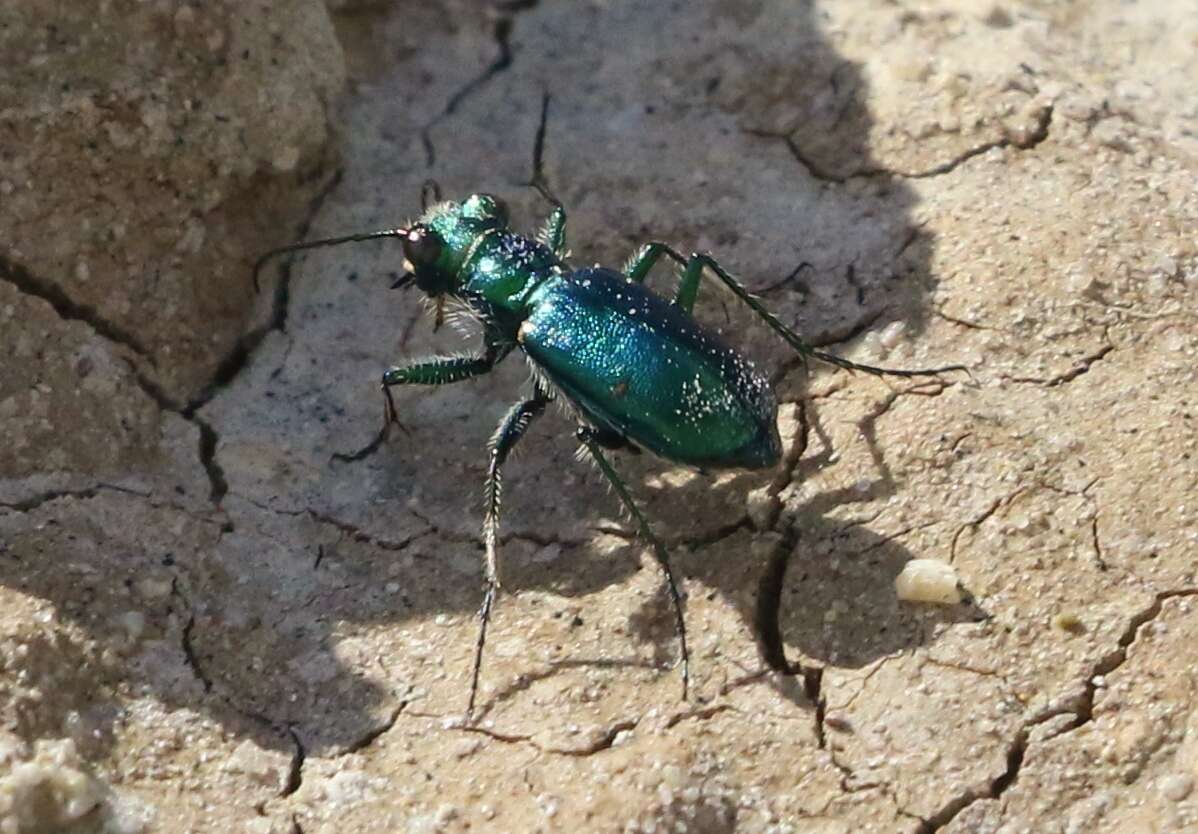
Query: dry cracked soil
(210, 623)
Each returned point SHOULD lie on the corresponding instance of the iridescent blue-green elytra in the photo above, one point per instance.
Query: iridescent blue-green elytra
(639, 366)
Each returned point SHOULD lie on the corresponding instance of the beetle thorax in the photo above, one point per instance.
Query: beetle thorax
(478, 256)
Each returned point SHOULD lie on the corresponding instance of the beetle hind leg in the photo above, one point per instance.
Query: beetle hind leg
(688, 290)
(611, 439)
(592, 442)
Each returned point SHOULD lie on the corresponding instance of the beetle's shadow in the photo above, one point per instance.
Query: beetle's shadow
(825, 595)
(265, 645)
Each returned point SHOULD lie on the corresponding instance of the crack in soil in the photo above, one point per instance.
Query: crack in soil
(189, 654)
(191, 657)
(927, 388)
(1034, 137)
(876, 667)
(960, 322)
(501, 33)
(689, 543)
(963, 667)
(218, 485)
(358, 534)
(997, 786)
(35, 501)
(38, 500)
(768, 626)
(981, 517)
(766, 621)
(601, 743)
(853, 331)
(346, 528)
(1118, 657)
(68, 309)
(1037, 135)
(767, 613)
(1098, 557)
(233, 363)
(1017, 750)
(1082, 367)
(698, 714)
(295, 773)
(791, 278)
(226, 370)
(374, 733)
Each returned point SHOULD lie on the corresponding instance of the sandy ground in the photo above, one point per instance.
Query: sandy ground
(209, 623)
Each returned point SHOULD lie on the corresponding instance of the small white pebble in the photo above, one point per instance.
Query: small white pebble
(892, 334)
(1177, 787)
(286, 158)
(1166, 265)
(134, 623)
(154, 587)
(928, 580)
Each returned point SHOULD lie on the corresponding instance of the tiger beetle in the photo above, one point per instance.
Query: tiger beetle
(635, 371)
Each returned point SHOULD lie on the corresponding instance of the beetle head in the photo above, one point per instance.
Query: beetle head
(436, 247)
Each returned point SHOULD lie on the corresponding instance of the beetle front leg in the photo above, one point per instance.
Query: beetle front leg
(511, 429)
(433, 370)
(591, 441)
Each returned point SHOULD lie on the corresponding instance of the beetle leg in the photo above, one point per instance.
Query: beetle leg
(590, 441)
(613, 440)
(638, 266)
(432, 370)
(511, 429)
(553, 233)
(689, 289)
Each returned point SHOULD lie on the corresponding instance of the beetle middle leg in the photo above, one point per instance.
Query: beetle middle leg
(511, 429)
(432, 370)
(591, 440)
(688, 291)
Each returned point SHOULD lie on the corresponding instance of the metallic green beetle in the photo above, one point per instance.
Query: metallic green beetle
(637, 371)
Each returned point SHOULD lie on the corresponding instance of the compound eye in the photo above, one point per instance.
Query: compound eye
(422, 246)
